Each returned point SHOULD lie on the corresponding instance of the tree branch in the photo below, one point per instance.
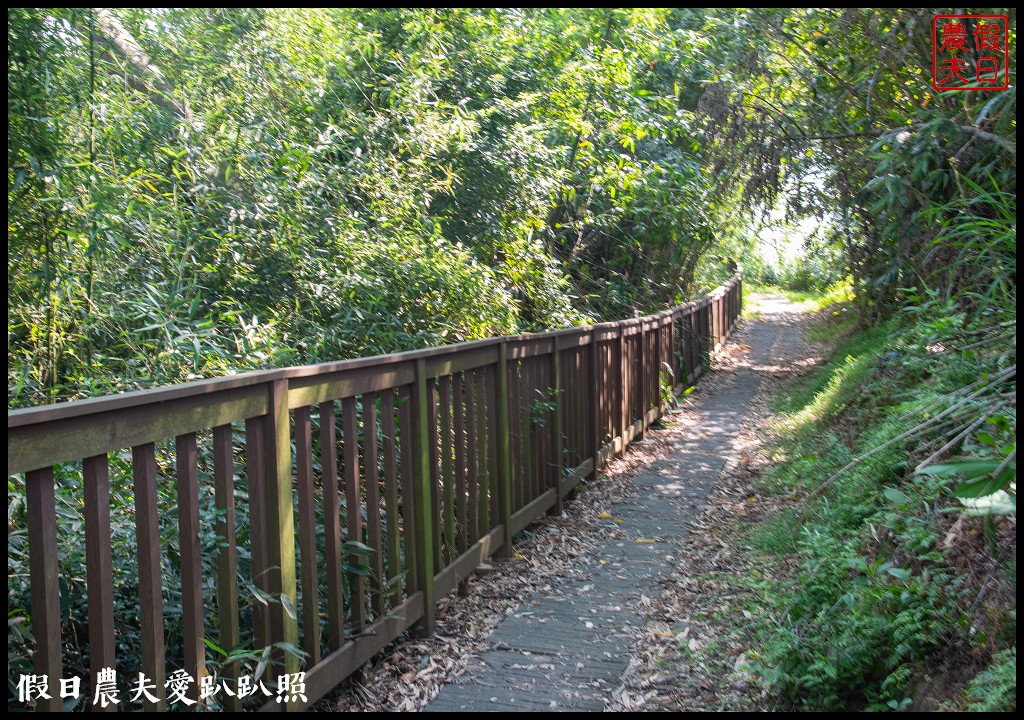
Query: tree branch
(817, 61)
(1007, 145)
(147, 77)
(840, 136)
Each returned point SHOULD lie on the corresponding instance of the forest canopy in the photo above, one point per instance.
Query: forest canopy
(199, 191)
(195, 191)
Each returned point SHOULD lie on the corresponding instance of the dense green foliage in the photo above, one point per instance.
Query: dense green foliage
(895, 594)
(912, 431)
(196, 191)
(193, 192)
(995, 689)
(832, 113)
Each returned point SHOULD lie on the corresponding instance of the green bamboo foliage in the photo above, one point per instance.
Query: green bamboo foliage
(201, 191)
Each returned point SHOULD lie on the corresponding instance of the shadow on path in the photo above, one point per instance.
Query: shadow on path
(565, 650)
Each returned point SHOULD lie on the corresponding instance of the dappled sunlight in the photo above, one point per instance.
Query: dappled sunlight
(828, 397)
(775, 305)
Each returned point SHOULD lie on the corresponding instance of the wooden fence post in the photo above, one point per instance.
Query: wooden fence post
(422, 504)
(42, 553)
(284, 625)
(716, 316)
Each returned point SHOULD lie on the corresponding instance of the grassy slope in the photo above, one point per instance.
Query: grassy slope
(891, 597)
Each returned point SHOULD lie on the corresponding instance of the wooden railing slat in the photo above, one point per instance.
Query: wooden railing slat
(483, 440)
(373, 529)
(503, 454)
(227, 556)
(540, 429)
(421, 501)
(572, 375)
(493, 505)
(147, 533)
(255, 459)
(193, 630)
(643, 374)
(526, 428)
(472, 468)
(447, 472)
(99, 569)
(459, 439)
(332, 526)
(557, 443)
(309, 562)
(514, 430)
(393, 537)
(482, 446)
(353, 510)
(622, 385)
(406, 445)
(434, 475)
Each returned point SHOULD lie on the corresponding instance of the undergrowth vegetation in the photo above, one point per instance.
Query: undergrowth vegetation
(899, 587)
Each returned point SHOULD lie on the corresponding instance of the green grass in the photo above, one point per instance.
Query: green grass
(995, 689)
(833, 328)
(778, 534)
(871, 599)
(831, 386)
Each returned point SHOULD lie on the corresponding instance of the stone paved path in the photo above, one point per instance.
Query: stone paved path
(565, 650)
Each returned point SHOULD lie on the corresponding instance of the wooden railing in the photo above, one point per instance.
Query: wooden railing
(446, 453)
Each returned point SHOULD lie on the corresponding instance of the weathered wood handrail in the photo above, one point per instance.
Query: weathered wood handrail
(446, 453)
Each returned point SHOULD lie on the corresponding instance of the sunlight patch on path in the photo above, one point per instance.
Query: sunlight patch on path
(566, 648)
